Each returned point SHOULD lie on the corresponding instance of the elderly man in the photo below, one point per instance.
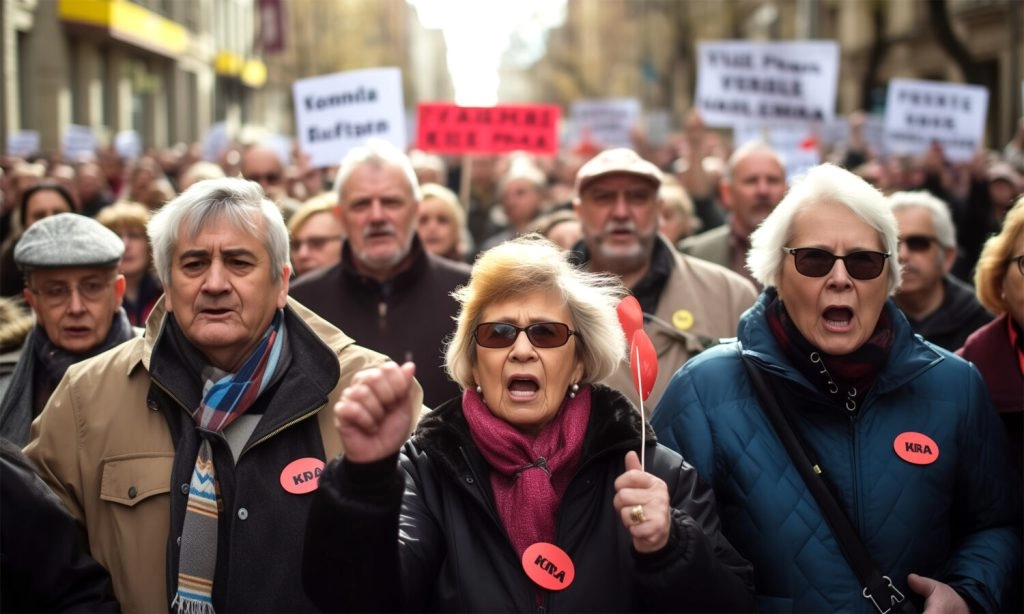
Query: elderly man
(262, 165)
(688, 303)
(753, 184)
(939, 307)
(71, 282)
(391, 293)
(187, 454)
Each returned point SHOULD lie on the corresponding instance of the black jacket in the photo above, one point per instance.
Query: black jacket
(453, 553)
(44, 566)
(959, 315)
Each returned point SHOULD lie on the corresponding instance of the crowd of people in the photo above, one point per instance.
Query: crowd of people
(405, 382)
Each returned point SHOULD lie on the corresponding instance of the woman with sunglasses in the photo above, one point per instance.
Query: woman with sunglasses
(525, 493)
(902, 432)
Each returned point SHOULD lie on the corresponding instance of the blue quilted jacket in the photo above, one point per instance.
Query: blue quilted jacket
(952, 520)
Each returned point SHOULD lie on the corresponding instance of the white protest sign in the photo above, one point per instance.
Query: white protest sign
(607, 122)
(23, 143)
(79, 143)
(920, 112)
(334, 113)
(758, 82)
(215, 141)
(797, 145)
(836, 133)
(128, 144)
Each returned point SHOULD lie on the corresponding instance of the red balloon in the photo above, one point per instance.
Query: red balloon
(643, 363)
(631, 317)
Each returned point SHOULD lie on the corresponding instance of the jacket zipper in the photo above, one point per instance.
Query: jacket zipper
(855, 471)
(382, 316)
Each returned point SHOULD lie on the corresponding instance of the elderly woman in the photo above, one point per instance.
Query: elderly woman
(315, 234)
(142, 287)
(441, 224)
(998, 347)
(526, 493)
(903, 432)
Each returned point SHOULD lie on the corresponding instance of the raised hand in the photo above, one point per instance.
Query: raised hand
(641, 499)
(374, 415)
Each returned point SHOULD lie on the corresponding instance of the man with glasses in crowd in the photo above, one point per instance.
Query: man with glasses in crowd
(940, 307)
(71, 282)
(262, 165)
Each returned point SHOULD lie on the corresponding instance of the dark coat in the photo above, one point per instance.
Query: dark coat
(408, 318)
(454, 554)
(958, 316)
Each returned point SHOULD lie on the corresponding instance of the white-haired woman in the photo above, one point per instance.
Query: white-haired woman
(526, 493)
(902, 431)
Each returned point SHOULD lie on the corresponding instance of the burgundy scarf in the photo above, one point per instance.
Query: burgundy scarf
(846, 378)
(529, 473)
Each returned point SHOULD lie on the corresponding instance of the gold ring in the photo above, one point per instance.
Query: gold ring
(636, 514)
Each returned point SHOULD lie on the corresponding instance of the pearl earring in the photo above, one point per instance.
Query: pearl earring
(573, 390)
(479, 389)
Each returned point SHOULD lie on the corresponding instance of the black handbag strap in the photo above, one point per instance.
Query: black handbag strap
(878, 589)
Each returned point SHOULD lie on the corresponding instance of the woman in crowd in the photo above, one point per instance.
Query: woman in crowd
(532, 474)
(315, 231)
(442, 223)
(561, 226)
(903, 432)
(45, 198)
(142, 288)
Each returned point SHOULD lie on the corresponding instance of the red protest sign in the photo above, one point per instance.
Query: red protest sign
(450, 129)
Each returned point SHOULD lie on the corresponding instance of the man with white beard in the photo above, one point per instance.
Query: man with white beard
(688, 303)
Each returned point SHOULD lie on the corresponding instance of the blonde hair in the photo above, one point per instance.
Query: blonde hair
(325, 202)
(531, 264)
(464, 243)
(992, 269)
(124, 214)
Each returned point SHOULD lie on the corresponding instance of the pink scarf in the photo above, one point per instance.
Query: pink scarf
(529, 473)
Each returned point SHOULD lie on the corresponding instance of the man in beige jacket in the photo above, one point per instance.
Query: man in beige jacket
(188, 455)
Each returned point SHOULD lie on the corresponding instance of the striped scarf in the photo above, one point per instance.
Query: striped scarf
(226, 396)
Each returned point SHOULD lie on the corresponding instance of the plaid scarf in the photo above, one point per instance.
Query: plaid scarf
(226, 396)
(845, 379)
(529, 473)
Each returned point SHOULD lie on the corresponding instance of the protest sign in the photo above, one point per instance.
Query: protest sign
(918, 113)
(215, 141)
(606, 122)
(450, 129)
(797, 145)
(79, 143)
(757, 82)
(22, 143)
(334, 113)
(128, 144)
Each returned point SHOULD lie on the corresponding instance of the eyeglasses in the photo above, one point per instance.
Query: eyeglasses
(918, 243)
(541, 334)
(814, 262)
(56, 294)
(1020, 263)
(314, 243)
(264, 178)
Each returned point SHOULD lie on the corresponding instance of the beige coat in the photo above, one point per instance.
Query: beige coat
(109, 459)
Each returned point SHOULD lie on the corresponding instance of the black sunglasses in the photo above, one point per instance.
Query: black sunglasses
(265, 178)
(918, 243)
(814, 262)
(541, 334)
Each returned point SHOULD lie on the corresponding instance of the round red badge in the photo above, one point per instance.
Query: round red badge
(548, 566)
(302, 476)
(916, 448)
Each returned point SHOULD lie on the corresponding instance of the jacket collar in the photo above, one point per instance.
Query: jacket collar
(910, 355)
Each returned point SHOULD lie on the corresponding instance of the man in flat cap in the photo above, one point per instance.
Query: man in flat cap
(688, 303)
(69, 262)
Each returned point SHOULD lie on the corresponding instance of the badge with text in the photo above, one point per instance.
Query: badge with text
(916, 448)
(302, 476)
(548, 566)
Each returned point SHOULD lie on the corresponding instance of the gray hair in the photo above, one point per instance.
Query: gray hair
(533, 264)
(379, 153)
(942, 220)
(746, 150)
(823, 184)
(241, 203)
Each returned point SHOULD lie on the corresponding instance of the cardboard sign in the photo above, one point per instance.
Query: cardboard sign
(79, 143)
(23, 143)
(766, 82)
(450, 129)
(334, 113)
(920, 112)
(607, 122)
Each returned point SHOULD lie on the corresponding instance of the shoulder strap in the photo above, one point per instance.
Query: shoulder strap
(877, 588)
